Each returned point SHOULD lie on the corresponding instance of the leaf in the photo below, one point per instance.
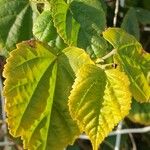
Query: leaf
(80, 22)
(128, 56)
(98, 101)
(143, 15)
(37, 86)
(16, 19)
(91, 17)
(64, 22)
(140, 113)
(45, 31)
(130, 23)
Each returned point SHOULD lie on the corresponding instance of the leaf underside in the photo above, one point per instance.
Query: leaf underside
(133, 60)
(97, 103)
(37, 86)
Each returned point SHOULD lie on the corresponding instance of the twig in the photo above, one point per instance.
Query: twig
(99, 60)
(118, 137)
(132, 141)
(116, 13)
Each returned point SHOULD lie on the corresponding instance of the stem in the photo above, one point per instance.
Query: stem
(100, 60)
(118, 138)
(116, 13)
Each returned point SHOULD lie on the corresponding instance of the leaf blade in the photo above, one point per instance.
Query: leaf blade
(35, 89)
(93, 104)
(127, 47)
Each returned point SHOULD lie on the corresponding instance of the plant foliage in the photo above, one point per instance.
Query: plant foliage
(75, 76)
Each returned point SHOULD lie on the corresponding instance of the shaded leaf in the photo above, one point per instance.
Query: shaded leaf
(143, 15)
(97, 103)
(81, 22)
(36, 94)
(14, 26)
(64, 22)
(45, 31)
(91, 17)
(130, 23)
(140, 113)
(129, 55)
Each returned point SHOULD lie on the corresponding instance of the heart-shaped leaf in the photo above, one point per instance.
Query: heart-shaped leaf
(99, 100)
(37, 86)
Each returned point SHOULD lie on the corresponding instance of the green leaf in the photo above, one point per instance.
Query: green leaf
(129, 56)
(81, 22)
(37, 86)
(91, 17)
(130, 23)
(64, 22)
(140, 113)
(45, 31)
(143, 15)
(98, 101)
(16, 19)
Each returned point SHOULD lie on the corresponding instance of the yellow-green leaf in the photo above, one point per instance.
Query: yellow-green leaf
(133, 59)
(140, 113)
(37, 86)
(98, 101)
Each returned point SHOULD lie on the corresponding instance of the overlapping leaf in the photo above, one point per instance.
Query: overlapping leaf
(16, 19)
(80, 22)
(64, 22)
(133, 59)
(130, 23)
(140, 113)
(45, 31)
(99, 100)
(38, 82)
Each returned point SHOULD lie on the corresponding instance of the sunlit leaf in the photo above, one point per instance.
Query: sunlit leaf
(132, 58)
(16, 20)
(98, 101)
(38, 82)
(140, 113)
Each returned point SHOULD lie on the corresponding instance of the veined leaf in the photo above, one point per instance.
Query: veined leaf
(64, 22)
(16, 19)
(140, 113)
(131, 58)
(98, 101)
(81, 22)
(45, 31)
(91, 17)
(130, 23)
(37, 86)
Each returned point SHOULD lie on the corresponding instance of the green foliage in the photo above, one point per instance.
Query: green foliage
(69, 79)
(130, 20)
(14, 26)
(140, 113)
